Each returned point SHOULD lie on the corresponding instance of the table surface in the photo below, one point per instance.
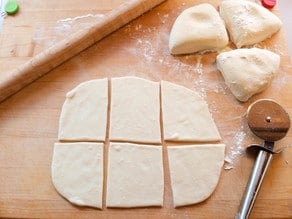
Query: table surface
(29, 119)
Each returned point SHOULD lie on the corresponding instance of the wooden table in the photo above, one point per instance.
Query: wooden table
(29, 119)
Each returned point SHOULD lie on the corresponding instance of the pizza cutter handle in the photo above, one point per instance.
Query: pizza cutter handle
(261, 165)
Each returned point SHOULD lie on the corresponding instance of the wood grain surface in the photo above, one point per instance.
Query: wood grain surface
(29, 119)
(73, 44)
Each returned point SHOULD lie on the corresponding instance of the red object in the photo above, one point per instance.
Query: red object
(269, 3)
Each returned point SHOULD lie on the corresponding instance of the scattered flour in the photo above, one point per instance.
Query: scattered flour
(2, 12)
(48, 34)
(236, 148)
(147, 42)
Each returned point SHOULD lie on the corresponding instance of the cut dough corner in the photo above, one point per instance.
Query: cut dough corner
(197, 29)
(135, 175)
(194, 171)
(77, 172)
(84, 112)
(185, 115)
(247, 22)
(248, 71)
(135, 110)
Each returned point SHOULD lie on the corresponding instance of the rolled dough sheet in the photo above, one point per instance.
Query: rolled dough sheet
(197, 29)
(84, 113)
(194, 171)
(135, 175)
(77, 172)
(135, 110)
(185, 115)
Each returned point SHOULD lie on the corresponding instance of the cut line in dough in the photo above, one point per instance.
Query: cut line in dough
(194, 171)
(77, 172)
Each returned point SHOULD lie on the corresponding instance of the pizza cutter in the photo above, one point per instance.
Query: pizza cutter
(270, 122)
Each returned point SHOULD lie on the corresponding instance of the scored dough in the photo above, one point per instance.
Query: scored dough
(84, 113)
(247, 22)
(248, 71)
(77, 172)
(135, 110)
(185, 115)
(135, 175)
(194, 171)
(197, 29)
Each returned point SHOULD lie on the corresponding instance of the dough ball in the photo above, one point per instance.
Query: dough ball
(247, 22)
(248, 71)
(198, 28)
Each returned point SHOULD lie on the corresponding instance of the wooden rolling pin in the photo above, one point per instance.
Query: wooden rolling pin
(69, 47)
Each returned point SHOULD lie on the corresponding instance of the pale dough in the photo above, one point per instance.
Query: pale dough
(198, 28)
(135, 110)
(84, 113)
(247, 22)
(135, 175)
(185, 115)
(248, 71)
(194, 171)
(77, 172)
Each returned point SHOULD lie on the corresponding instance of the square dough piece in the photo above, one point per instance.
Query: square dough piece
(185, 115)
(135, 110)
(194, 171)
(77, 172)
(84, 113)
(135, 176)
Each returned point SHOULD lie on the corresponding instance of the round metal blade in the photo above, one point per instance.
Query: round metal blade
(268, 120)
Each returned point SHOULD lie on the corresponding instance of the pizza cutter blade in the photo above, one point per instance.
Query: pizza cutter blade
(270, 122)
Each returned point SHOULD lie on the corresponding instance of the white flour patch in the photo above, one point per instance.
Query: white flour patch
(2, 12)
(49, 34)
(236, 149)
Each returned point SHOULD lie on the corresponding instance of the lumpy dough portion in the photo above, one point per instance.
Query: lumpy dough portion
(135, 110)
(248, 71)
(84, 112)
(185, 115)
(194, 171)
(135, 175)
(247, 22)
(198, 28)
(77, 172)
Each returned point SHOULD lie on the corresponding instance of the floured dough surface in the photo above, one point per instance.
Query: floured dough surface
(77, 172)
(198, 28)
(185, 115)
(194, 171)
(84, 112)
(135, 110)
(247, 22)
(135, 175)
(248, 71)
